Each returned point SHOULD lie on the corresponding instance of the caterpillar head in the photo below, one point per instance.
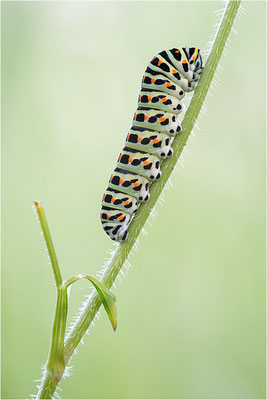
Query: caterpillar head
(195, 60)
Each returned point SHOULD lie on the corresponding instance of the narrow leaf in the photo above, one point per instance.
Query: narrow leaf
(108, 299)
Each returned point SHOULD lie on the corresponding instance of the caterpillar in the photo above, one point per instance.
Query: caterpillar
(168, 76)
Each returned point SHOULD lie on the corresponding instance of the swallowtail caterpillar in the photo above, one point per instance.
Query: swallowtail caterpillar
(169, 75)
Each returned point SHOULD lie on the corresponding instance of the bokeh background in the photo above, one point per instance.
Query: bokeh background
(191, 310)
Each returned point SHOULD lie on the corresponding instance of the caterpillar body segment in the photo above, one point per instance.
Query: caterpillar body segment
(143, 164)
(116, 231)
(161, 83)
(179, 59)
(151, 142)
(135, 185)
(159, 65)
(160, 101)
(119, 201)
(169, 75)
(114, 216)
(157, 120)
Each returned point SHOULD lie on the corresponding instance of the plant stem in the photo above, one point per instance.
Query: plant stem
(121, 253)
(55, 362)
(55, 365)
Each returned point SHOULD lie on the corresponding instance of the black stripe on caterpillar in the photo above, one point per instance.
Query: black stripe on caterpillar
(168, 76)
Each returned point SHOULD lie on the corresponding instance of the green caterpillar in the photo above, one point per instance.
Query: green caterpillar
(168, 76)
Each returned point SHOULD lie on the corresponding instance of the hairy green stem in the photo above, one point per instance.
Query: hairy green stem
(55, 365)
(121, 253)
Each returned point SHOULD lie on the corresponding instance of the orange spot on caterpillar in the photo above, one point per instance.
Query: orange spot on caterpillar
(194, 58)
(168, 84)
(160, 62)
(153, 80)
(128, 136)
(101, 215)
(143, 78)
(112, 200)
(120, 157)
(145, 162)
(177, 51)
(108, 216)
(136, 184)
(120, 217)
(121, 181)
(155, 140)
(111, 178)
(174, 71)
(130, 159)
(135, 115)
(126, 202)
(149, 98)
(184, 61)
(164, 99)
(104, 197)
(162, 119)
(146, 117)
(139, 139)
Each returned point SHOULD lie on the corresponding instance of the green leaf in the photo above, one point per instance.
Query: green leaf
(107, 297)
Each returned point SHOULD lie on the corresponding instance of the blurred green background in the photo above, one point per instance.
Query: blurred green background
(191, 311)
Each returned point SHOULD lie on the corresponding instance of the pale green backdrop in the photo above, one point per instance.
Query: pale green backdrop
(191, 310)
